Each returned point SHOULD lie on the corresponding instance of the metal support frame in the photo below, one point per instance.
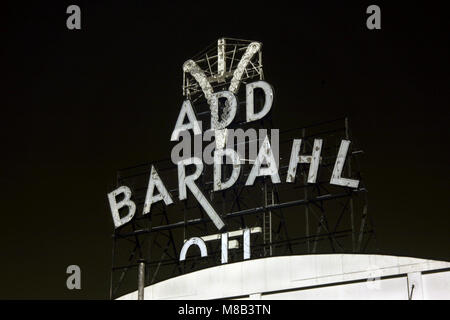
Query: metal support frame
(334, 210)
(326, 222)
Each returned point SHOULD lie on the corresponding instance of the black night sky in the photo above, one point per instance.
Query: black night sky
(80, 104)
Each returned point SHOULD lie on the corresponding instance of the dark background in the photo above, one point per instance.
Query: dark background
(79, 104)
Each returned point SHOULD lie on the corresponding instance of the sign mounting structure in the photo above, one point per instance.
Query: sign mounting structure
(249, 198)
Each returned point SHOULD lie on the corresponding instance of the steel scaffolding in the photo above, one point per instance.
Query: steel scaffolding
(288, 218)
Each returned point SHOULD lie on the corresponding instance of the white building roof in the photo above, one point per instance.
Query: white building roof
(275, 275)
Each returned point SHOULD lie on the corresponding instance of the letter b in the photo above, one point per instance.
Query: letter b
(116, 206)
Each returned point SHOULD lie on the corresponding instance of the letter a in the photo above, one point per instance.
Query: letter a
(155, 181)
(74, 280)
(374, 21)
(74, 20)
(186, 110)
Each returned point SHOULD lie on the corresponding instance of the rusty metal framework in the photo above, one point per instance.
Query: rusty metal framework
(224, 66)
(285, 218)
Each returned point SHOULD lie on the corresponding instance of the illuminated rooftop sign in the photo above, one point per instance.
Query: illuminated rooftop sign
(262, 151)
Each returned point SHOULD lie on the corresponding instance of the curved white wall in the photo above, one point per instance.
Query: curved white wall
(327, 276)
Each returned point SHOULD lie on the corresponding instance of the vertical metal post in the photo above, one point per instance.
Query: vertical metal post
(305, 181)
(270, 222)
(267, 222)
(265, 219)
(141, 279)
(184, 219)
(363, 223)
(113, 256)
(221, 59)
(349, 165)
(261, 75)
(111, 281)
(184, 84)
